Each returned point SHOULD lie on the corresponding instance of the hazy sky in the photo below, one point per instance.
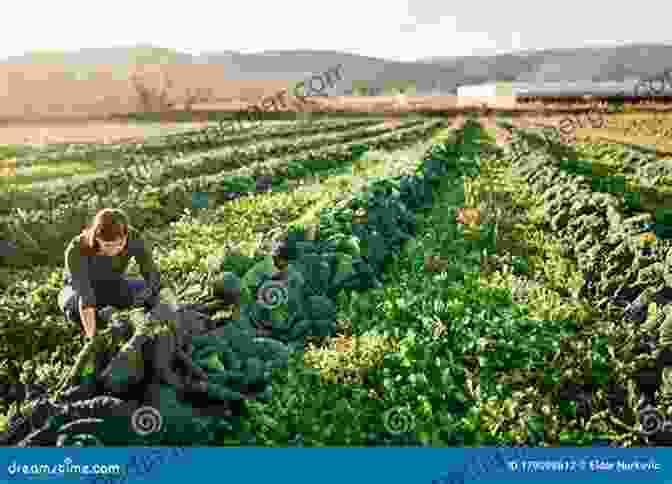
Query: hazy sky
(397, 29)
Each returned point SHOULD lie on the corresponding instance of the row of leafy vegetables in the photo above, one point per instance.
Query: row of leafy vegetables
(356, 240)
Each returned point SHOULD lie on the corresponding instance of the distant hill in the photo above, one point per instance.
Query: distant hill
(104, 55)
(591, 63)
(431, 75)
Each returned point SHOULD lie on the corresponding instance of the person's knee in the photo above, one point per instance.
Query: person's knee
(63, 297)
(67, 300)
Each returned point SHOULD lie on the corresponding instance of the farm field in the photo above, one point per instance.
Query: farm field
(463, 334)
(649, 131)
(151, 199)
(33, 170)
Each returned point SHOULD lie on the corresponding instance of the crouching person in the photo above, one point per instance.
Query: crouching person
(95, 263)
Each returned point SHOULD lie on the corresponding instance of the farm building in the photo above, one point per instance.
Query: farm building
(499, 94)
(512, 93)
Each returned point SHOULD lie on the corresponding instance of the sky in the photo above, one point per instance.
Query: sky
(401, 30)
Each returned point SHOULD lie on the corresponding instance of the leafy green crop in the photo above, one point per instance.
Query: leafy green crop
(212, 363)
(427, 375)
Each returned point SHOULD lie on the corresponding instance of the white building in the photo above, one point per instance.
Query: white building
(576, 89)
(510, 93)
(500, 94)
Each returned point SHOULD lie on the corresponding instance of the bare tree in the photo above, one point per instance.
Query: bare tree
(144, 93)
(152, 98)
(162, 96)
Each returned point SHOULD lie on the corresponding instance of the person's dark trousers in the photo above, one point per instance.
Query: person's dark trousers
(120, 293)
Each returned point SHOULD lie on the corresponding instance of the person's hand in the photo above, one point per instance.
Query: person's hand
(88, 316)
(143, 297)
(635, 311)
(120, 329)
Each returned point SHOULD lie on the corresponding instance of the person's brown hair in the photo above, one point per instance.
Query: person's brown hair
(109, 224)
